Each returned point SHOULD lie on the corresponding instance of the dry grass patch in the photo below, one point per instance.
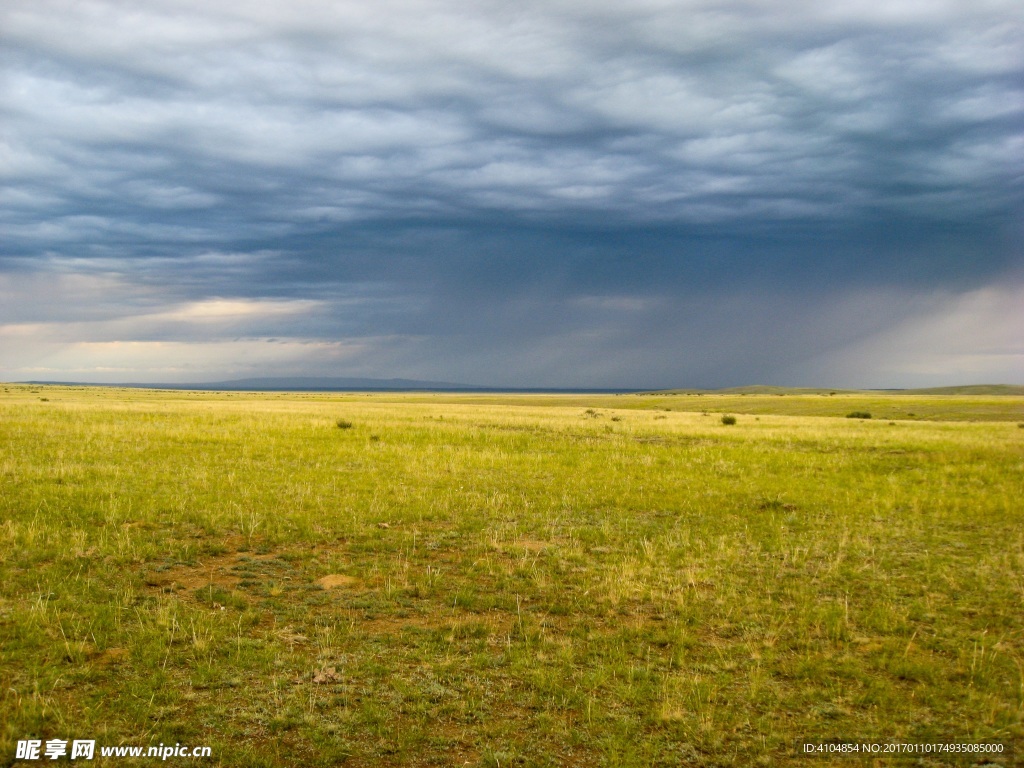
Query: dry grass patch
(336, 580)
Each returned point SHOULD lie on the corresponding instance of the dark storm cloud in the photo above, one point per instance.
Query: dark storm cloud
(530, 194)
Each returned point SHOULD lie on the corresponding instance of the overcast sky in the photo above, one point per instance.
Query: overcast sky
(561, 193)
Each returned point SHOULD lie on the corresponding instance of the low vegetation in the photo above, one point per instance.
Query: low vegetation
(509, 580)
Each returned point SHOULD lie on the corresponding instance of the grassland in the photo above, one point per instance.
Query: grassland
(499, 581)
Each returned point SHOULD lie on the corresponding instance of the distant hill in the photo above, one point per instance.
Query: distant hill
(295, 384)
(331, 384)
(970, 389)
(328, 384)
(362, 384)
(760, 389)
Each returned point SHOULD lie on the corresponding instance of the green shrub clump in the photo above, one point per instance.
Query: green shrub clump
(343, 424)
(858, 415)
(728, 420)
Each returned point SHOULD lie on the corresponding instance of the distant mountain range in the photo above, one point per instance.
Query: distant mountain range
(328, 384)
(331, 384)
(360, 384)
(758, 389)
(293, 384)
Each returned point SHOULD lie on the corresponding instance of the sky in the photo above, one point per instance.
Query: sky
(567, 193)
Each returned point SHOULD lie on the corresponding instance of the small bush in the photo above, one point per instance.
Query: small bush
(728, 420)
(858, 415)
(343, 424)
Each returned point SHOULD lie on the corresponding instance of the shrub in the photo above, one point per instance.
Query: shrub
(728, 420)
(858, 415)
(343, 424)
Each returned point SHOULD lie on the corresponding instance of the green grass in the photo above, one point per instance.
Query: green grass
(508, 580)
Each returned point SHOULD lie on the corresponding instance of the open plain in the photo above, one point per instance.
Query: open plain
(442, 579)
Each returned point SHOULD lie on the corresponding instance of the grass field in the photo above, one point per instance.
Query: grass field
(317, 579)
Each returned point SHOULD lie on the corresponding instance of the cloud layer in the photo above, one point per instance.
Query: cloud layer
(557, 193)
